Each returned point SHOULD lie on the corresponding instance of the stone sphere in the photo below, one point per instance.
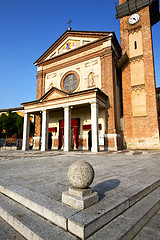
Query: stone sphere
(81, 174)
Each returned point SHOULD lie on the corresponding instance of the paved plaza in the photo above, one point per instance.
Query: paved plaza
(46, 173)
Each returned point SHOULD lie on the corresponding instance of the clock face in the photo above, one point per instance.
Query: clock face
(134, 18)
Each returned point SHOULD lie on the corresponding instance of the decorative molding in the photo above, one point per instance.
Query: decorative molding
(138, 87)
(68, 63)
(134, 29)
(73, 57)
(99, 41)
(137, 58)
(106, 52)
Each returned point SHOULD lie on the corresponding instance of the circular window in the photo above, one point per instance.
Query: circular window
(70, 82)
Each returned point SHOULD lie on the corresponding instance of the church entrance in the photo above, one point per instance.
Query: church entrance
(89, 139)
(75, 125)
(49, 140)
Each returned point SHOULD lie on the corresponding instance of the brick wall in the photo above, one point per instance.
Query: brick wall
(140, 132)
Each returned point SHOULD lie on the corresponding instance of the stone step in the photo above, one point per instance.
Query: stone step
(7, 232)
(28, 224)
(90, 220)
(127, 225)
(80, 223)
(151, 230)
(54, 211)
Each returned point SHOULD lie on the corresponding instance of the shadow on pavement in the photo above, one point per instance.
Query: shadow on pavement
(106, 186)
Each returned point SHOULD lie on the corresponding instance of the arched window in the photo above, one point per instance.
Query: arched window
(70, 82)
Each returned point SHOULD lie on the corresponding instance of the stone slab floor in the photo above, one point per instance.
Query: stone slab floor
(46, 173)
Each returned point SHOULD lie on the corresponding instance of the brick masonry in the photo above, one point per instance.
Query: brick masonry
(141, 131)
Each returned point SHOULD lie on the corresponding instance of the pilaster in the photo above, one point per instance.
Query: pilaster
(40, 84)
(107, 86)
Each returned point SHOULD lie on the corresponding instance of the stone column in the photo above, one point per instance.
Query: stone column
(95, 130)
(45, 118)
(26, 131)
(67, 128)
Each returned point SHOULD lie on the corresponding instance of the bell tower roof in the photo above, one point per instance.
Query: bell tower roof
(132, 6)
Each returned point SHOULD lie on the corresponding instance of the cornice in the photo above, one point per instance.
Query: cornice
(106, 52)
(72, 62)
(86, 34)
(74, 51)
(42, 100)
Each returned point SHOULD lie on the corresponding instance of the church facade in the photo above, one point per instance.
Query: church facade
(92, 93)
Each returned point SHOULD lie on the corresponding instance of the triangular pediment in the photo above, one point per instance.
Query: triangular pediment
(69, 44)
(70, 40)
(53, 94)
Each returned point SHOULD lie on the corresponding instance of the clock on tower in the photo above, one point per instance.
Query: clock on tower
(141, 129)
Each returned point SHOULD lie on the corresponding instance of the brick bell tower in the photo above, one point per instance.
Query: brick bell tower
(138, 77)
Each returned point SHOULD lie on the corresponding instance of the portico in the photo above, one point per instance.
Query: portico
(56, 100)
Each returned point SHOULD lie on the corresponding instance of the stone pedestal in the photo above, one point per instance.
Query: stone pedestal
(79, 198)
(80, 195)
(36, 142)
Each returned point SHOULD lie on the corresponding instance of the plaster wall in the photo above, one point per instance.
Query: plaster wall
(83, 69)
(137, 73)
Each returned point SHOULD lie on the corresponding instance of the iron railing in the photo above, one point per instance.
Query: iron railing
(10, 142)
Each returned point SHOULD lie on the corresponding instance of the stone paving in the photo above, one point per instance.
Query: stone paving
(46, 172)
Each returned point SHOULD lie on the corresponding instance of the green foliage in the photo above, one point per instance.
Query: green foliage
(19, 124)
(12, 124)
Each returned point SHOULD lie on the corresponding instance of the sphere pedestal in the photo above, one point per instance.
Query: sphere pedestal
(80, 195)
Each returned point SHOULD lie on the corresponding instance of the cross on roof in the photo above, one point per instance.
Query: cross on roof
(69, 28)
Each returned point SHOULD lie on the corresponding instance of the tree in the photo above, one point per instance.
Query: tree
(11, 123)
(19, 124)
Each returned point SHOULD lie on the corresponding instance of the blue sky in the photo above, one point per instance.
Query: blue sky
(30, 27)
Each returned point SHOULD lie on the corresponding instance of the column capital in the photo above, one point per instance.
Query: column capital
(25, 113)
(45, 111)
(68, 107)
(94, 103)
